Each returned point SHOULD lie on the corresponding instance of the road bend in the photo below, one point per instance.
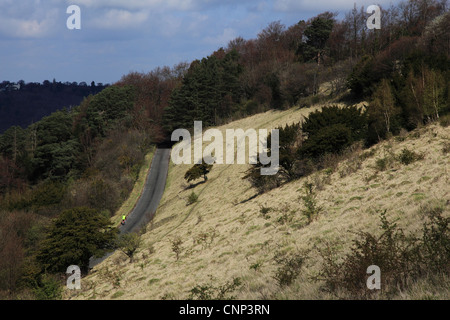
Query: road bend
(148, 202)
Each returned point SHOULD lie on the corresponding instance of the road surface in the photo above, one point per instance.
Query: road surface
(151, 195)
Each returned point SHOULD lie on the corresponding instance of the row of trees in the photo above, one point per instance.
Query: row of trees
(35, 100)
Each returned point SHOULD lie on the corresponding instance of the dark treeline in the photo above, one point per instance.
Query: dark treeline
(22, 104)
(83, 161)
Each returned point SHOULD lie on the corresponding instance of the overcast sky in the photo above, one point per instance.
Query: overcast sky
(119, 36)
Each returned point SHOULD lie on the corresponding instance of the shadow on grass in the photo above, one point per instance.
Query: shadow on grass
(192, 186)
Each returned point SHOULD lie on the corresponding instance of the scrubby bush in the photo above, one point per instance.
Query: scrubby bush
(289, 267)
(381, 163)
(49, 288)
(311, 209)
(435, 243)
(407, 156)
(192, 198)
(332, 139)
(332, 129)
(401, 258)
(212, 292)
(129, 243)
(352, 117)
(176, 246)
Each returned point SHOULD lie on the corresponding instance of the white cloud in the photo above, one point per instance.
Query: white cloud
(223, 39)
(168, 25)
(34, 26)
(325, 5)
(119, 19)
(161, 5)
(181, 5)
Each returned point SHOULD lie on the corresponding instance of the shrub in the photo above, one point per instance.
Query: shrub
(435, 245)
(351, 117)
(192, 198)
(331, 130)
(264, 211)
(129, 243)
(311, 209)
(206, 238)
(446, 148)
(390, 251)
(332, 139)
(48, 193)
(176, 246)
(444, 121)
(401, 258)
(381, 164)
(262, 183)
(407, 156)
(211, 292)
(289, 266)
(49, 288)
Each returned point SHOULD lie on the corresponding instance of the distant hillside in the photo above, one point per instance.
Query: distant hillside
(22, 104)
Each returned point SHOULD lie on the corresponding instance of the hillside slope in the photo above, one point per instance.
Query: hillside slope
(230, 234)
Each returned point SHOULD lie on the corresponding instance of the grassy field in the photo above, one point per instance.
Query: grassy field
(230, 234)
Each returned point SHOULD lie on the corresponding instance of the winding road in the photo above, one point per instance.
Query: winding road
(151, 195)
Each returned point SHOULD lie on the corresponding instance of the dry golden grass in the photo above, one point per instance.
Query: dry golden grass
(223, 237)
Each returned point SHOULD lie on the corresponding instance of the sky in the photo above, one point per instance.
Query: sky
(122, 36)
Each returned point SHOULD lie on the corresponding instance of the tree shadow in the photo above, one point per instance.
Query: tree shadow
(251, 198)
(192, 186)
